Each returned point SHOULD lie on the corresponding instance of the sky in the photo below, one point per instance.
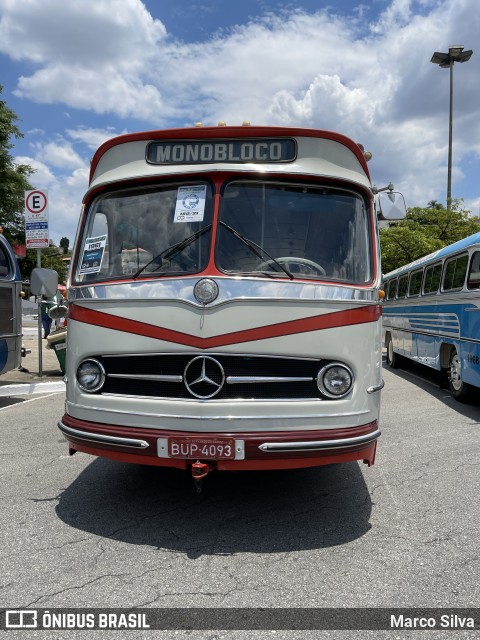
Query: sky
(77, 72)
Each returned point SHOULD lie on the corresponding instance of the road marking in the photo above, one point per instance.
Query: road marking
(31, 388)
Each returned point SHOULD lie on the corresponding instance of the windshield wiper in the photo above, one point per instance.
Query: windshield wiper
(174, 249)
(256, 249)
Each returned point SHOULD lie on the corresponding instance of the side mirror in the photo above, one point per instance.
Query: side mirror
(391, 206)
(43, 282)
(57, 312)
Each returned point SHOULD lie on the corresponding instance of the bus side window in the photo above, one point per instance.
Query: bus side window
(473, 281)
(415, 283)
(432, 279)
(4, 264)
(393, 289)
(402, 287)
(455, 272)
(387, 285)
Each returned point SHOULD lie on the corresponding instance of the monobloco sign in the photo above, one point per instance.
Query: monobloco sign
(211, 151)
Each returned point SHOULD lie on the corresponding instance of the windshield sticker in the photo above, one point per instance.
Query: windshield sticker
(93, 255)
(190, 204)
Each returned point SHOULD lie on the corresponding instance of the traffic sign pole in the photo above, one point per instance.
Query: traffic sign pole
(36, 237)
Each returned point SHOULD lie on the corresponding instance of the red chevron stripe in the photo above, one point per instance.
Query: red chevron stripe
(361, 315)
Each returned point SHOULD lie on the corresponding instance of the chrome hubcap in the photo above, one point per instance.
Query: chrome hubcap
(455, 378)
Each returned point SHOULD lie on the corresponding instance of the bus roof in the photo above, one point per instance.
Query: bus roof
(456, 247)
(318, 153)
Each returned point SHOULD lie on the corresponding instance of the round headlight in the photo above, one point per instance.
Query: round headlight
(335, 380)
(90, 375)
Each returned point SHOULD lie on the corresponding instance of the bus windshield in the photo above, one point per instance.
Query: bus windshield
(264, 229)
(142, 231)
(312, 232)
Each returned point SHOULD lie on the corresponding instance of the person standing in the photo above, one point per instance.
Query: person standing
(46, 305)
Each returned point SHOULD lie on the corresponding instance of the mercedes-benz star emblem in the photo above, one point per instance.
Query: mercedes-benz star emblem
(204, 377)
(206, 290)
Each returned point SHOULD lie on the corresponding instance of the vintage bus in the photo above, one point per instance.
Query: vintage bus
(224, 306)
(432, 314)
(10, 308)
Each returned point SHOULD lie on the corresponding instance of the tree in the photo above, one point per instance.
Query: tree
(423, 231)
(13, 179)
(64, 244)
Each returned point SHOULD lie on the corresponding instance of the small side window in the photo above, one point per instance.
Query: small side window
(473, 280)
(455, 272)
(432, 279)
(402, 287)
(415, 283)
(386, 287)
(392, 289)
(4, 263)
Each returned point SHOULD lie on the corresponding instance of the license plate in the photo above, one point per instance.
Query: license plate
(203, 448)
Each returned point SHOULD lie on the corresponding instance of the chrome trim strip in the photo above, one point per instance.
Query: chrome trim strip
(219, 401)
(231, 289)
(262, 379)
(216, 417)
(455, 337)
(376, 387)
(211, 353)
(139, 376)
(318, 445)
(104, 439)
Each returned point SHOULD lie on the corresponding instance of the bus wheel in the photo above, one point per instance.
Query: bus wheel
(392, 357)
(460, 390)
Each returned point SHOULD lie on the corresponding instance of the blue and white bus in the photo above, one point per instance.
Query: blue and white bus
(10, 308)
(431, 314)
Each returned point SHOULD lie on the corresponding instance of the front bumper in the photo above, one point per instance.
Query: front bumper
(262, 450)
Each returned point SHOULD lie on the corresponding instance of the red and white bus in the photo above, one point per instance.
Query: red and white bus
(224, 301)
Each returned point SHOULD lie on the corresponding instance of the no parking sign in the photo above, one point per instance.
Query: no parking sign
(36, 218)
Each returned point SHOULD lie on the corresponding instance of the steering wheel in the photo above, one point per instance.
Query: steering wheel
(290, 260)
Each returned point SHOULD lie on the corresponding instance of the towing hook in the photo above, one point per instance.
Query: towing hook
(200, 470)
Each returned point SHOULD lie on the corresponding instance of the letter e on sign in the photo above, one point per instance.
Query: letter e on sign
(36, 201)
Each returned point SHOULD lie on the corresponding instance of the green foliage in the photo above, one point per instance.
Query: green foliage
(64, 244)
(51, 258)
(13, 179)
(423, 231)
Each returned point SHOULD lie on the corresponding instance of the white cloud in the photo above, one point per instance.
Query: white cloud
(93, 138)
(90, 54)
(59, 155)
(43, 176)
(89, 89)
(81, 32)
(473, 205)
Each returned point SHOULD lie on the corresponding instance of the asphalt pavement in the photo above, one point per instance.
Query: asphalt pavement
(30, 374)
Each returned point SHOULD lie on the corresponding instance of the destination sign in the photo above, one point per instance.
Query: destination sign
(211, 151)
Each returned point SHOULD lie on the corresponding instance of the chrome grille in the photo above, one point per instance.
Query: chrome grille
(244, 376)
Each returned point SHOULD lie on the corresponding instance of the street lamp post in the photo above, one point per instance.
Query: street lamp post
(446, 61)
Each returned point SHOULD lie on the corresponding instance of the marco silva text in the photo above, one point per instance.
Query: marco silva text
(444, 621)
